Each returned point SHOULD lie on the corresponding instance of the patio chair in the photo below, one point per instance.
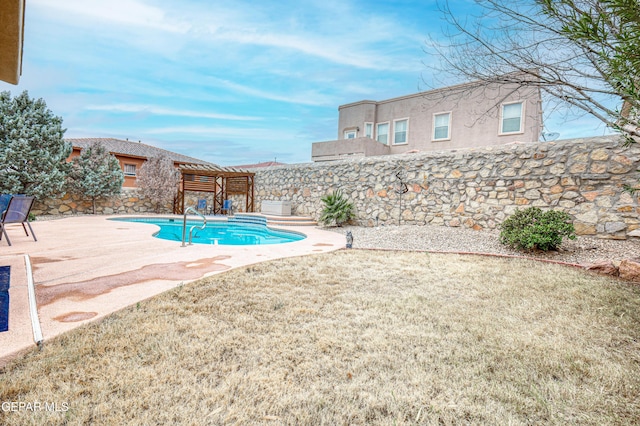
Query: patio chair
(4, 202)
(227, 206)
(202, 205)
(17, 212)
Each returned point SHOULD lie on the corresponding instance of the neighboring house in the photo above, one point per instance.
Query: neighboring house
(463, 116)
(132, 155)
(260, 165)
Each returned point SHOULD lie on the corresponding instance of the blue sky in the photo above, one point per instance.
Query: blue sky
(231, 82)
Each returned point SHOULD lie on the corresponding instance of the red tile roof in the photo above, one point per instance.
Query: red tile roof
(258, 165)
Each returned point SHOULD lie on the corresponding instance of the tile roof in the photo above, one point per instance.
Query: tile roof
(135, 149)
(258, 165)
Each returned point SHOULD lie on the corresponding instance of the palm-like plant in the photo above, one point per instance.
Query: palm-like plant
(336, 209)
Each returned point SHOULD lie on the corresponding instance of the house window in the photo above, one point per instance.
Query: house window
(382, 133)
(129, 169)
(511, 118)
(441, 126)
(400, 128)
(368, 130)
(350, 134)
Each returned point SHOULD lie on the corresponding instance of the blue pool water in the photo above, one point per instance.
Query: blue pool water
(5, 272)
(221, 233)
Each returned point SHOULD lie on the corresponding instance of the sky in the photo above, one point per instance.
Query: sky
(230, 82)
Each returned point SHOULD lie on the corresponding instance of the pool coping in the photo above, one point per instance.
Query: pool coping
(87, 267)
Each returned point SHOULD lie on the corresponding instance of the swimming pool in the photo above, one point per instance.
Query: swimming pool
(222, 233)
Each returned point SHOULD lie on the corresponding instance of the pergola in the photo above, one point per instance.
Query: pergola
(221, 181)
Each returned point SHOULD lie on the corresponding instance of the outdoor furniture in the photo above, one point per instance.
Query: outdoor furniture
(227, 206)
(17, 212)
(4, 202)
(202, 205)
(277, 208)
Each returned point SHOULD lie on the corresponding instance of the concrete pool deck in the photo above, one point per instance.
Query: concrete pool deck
(86, 267)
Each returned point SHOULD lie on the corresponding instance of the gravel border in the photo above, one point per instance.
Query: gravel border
(583, 250)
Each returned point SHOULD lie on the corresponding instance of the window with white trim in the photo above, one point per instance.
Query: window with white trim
(382, 133)
(129, 169)
(511, 121)
(350, 134)
(400, 129)
(442, 126)
(368, 130)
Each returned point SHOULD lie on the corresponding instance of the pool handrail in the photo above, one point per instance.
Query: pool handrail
(184, 224)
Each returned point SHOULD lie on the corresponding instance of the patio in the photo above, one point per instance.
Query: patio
(86, 267)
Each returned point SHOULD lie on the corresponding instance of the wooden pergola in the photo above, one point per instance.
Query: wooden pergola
(221, 181)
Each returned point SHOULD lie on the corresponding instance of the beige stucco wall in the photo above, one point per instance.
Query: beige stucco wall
(475, 116)
(358, 147)
(11, 39)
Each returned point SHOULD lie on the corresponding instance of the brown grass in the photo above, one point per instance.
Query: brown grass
(352, 337)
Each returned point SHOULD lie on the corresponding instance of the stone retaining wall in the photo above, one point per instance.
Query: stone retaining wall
(129, 201)
(476, 188)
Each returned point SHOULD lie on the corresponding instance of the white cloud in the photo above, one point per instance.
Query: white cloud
(220, 131)
(125, 12)
(312, 98)
(156, 110)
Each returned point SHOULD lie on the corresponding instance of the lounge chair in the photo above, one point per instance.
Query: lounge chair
(17, 212)
(4, 202)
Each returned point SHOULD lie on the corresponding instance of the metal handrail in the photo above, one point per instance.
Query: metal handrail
(184, 225)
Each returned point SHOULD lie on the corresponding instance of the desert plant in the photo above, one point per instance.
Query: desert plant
(532, 228)
(337, 208)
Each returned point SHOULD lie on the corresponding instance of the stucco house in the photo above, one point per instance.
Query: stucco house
(462, 116)
(132, 155)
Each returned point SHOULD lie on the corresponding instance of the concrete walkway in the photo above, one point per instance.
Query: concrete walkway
(87, 267)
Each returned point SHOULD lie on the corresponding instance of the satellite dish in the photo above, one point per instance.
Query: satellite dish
(549, 136)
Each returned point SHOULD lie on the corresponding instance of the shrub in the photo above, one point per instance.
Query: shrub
(532, 228)
(336, 209)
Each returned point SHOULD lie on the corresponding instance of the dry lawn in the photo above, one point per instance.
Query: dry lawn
(352, 337)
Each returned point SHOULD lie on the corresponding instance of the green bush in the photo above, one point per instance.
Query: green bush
(532, 228)
(336, 209)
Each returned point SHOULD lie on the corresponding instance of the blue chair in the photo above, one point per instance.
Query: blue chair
(17, 212)
(4, 202)
(227, 206)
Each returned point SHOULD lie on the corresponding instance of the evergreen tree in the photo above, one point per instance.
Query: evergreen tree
(33, 152)
(96, 173)
(158, 180)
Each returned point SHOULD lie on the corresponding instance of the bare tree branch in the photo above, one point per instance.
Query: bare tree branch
(582, 54)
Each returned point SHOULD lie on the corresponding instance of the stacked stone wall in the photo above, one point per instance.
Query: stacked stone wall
(476, 188)
(129, 201)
